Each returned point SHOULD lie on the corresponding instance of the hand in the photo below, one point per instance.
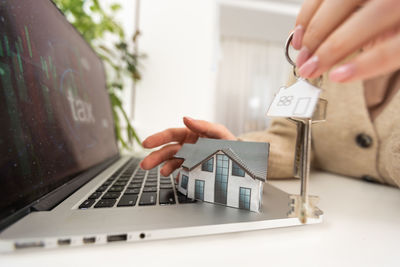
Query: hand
(329, 31)
(194, 130)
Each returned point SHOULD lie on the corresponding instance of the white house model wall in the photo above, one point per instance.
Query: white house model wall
(233, 189)
(224, 172)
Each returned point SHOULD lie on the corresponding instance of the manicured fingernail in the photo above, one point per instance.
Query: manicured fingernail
(304, 54)
(297, 37)
(309, 67)
(342, 73)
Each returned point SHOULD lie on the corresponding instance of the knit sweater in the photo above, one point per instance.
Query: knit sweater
(342, 144)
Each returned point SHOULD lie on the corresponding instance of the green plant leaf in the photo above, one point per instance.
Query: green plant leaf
(119, 59)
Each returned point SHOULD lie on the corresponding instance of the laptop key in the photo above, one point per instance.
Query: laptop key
(137, 180)
(184, 199)
(111, 195)
(150, 189)
(120, 183)
(152, 180)
(101, 189)
(87, 204)
(106, 183)
(165, 181)
(105, 203)
(167, 197)
(148, 199)
(116, 189)
(127, 200)
(132, 191)
(111, 179)
(165, 186)
(135, 185)
(95, 195)
(150, 184)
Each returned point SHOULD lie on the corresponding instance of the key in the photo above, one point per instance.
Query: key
(127, 200)
(152, 180)
(150, 189)
(298, 101)
(167, 197)
(184, 199)
(95, 195)
(134, 185)
(165, 186)
(86, 204)
(165, 181)
(150, 184)
(148, 199)
(119, 183)
(116, 189)
(132, 191)
(137, 180)
(101, 189)
(110, 179)
(105, 203)
(111, 195)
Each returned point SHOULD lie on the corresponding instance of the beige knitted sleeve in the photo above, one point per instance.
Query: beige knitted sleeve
(391, 158)
(282, 138)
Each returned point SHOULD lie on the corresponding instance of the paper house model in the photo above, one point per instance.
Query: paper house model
(230, 173)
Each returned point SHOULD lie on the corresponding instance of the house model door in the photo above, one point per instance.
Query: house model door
(221, 179)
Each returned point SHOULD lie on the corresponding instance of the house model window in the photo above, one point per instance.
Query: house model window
(230, 173)
(208, 166)
(236, 170)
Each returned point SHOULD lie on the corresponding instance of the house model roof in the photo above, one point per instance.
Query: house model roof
(251, 156)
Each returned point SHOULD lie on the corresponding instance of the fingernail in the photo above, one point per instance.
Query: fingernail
(188, 118)
(297, 37)
(304, 54)
(342, 73)
(309, 67)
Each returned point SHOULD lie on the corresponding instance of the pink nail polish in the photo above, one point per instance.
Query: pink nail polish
(304, 54)
(309, 67)
(342, 73)
(297, 37)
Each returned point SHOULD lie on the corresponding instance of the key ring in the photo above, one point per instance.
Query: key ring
(291, 62)
(287, 46)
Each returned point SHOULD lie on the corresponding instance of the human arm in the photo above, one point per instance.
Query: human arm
(281, 135)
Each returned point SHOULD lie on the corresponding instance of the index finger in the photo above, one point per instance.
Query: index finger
(165, 137)
(307, 11)
(342, 42)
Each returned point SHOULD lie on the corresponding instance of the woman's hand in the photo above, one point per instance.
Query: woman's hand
(194, 129)
(328, 31)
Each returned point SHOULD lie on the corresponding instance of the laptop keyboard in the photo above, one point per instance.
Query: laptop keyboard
(132, 186)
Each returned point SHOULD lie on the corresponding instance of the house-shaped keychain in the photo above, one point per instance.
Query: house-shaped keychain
(230, 173)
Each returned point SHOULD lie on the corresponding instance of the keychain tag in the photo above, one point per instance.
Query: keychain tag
(298, 101)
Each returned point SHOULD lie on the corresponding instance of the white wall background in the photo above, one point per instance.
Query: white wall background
(182, 41)
(179, 38)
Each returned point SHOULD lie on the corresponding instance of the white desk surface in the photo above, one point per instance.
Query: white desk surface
(361, 227)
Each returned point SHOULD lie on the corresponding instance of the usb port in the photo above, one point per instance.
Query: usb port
(64, 242)
(89, 240)
(20, 245)
(114, 238)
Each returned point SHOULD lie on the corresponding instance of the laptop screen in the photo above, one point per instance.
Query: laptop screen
(55, 114)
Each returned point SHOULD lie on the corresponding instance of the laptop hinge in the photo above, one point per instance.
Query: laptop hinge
(56, 196)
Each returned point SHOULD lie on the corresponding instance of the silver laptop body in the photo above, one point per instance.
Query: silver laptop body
(60, 157)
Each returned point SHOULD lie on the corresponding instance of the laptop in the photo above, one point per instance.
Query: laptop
(63, 181)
